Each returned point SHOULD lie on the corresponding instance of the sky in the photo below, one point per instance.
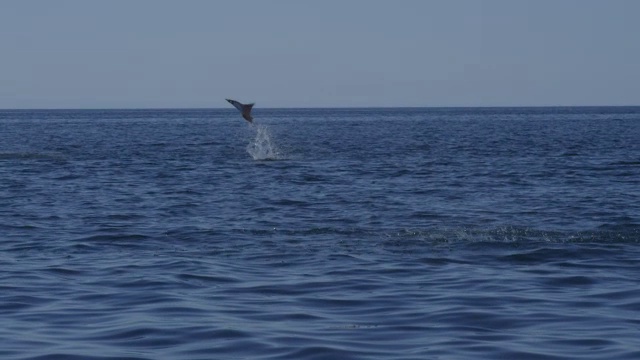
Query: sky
(318, 53)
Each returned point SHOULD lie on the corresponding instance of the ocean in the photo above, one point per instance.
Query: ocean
(376, 233)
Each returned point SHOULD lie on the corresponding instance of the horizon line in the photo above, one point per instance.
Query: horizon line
(326, 107)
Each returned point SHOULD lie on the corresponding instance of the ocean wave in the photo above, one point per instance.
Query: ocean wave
(628, 233)
(31, 156)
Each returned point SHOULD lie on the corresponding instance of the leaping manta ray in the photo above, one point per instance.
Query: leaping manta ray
(245, 109)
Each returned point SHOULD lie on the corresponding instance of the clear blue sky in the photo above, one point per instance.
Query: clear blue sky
(320, 53)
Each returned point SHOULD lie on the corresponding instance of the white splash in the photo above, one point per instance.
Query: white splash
(262, 147)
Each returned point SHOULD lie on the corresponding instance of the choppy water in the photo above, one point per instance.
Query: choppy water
(320, 234)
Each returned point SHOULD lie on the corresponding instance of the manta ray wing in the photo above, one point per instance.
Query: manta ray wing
(236, 104)
(245, 109)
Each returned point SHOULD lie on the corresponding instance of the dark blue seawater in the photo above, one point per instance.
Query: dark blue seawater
(489, 233)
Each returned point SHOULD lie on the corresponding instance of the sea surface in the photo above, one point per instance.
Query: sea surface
(408, 233)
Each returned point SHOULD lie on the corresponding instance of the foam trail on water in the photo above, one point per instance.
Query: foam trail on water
(262, 147)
